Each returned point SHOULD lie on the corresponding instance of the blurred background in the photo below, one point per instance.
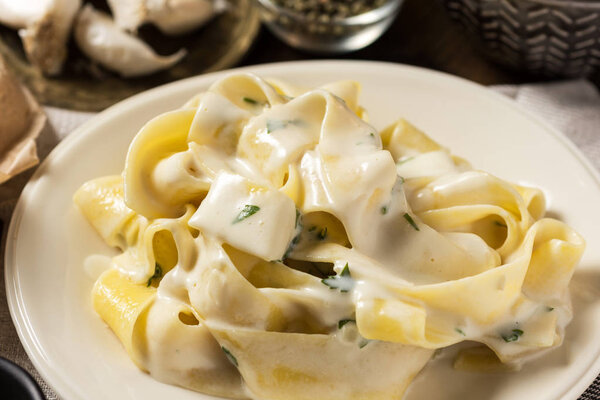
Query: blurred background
(487, 41)
(447, 36)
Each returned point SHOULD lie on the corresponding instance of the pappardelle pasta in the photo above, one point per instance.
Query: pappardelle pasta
(274, 245)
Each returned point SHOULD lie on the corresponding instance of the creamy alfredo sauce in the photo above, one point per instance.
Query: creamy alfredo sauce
(293, 215)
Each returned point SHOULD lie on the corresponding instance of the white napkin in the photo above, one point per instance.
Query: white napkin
(572, 107)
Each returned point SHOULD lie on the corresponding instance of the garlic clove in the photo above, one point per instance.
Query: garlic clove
(44, 29)
(128, 14)
(172, 17)
(176, 17)
(102, 41)
(19, 14)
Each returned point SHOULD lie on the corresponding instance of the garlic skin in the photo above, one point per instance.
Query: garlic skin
(44, 27)
(21, 121)
(172, 17)
(103, 41)
(129, 15)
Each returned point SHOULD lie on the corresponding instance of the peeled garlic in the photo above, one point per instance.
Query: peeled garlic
(44, 28)
(101, 40)
(128, 14)
(19, 14)
(172, 17)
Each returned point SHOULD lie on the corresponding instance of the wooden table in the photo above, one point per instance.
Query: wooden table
(422, 35)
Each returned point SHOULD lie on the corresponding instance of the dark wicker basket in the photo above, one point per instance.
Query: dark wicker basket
(544, 37)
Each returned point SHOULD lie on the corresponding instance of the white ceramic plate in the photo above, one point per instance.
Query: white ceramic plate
(48, 290)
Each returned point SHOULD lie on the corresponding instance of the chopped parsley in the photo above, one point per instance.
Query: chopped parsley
(292, 244)
(246, 212)
(158, 273)
(372, 134)
(250, 100)
(401, 179)
(411, 221)
(276, 124)
(460, 331)
(296, 239)
(322, 234)
(404, 160)
(549, 309)
(229, 356)
(343, 281)
(312, 228)
(384, 210)
(513, 336)
(343, 322)
(363, 342)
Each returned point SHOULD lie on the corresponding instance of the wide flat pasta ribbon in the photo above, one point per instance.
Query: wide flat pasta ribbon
(275, 246)
(294, 366)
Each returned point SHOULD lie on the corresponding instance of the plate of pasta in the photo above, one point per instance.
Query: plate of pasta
(310, 230)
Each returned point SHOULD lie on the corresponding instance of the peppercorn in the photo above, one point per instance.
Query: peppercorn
(325, 10)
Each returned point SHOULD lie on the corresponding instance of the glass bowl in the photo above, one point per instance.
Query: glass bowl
(328, 35)
(16, 383)
(544, 37)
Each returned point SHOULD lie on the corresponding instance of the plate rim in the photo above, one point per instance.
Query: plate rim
(14, 297)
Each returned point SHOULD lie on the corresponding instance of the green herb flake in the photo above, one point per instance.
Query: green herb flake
(276, 124)
(297, 218)
(248, 211)
(384, 210)
(322, 234)
(229, 356)
(250, 100)
(498, 223)
(363, 343)
(312, 228)
(401, 179)
(549, 309)
(343, 281)
(292, 245)
(372, 135)
(411, 221)
(513, 336)
(460, 331)
(343, 322)
(346, 270)
(404, 160)
(158, 273)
